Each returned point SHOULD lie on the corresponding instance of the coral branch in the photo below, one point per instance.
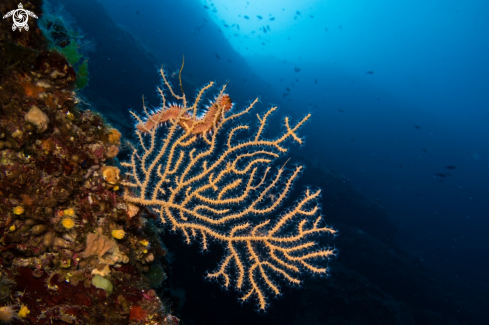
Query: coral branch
(209, 187)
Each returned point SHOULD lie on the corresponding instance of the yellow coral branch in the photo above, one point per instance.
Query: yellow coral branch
(223, 189)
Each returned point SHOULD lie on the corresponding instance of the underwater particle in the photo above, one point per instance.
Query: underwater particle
(7, 314)
(18, 210)
(102, 283)
(110, 174)
(38, 118)
(68, 223)
(118, 233)
(12, 228)
(24, 311)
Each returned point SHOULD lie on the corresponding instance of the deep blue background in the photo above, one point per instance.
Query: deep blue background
(430, 69)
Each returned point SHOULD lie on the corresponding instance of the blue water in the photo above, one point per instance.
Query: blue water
(399, 93)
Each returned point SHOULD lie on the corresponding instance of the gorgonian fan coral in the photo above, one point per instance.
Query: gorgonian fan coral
(207, 184)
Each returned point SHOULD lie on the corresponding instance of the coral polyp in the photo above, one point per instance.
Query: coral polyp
(7, 314)
(18, 210)
(118, 234)
(68, 223)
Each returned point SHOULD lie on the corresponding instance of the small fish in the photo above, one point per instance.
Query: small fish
(259, 17)
(268, 27)
(369, 72)
(237, 26)
(315, 80)
(311, 16)
(206, 7)
(450, 167)
(226, 25)
(424, 150)
(263, 43)
(326, 28)
(297, 12)
(441, 175)
(264, 29)
(217, 56)
(272, 18)
(288, 89)
(297, 69)
(340, 110)
(246, 17)
(286, 94)
(417, 127)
